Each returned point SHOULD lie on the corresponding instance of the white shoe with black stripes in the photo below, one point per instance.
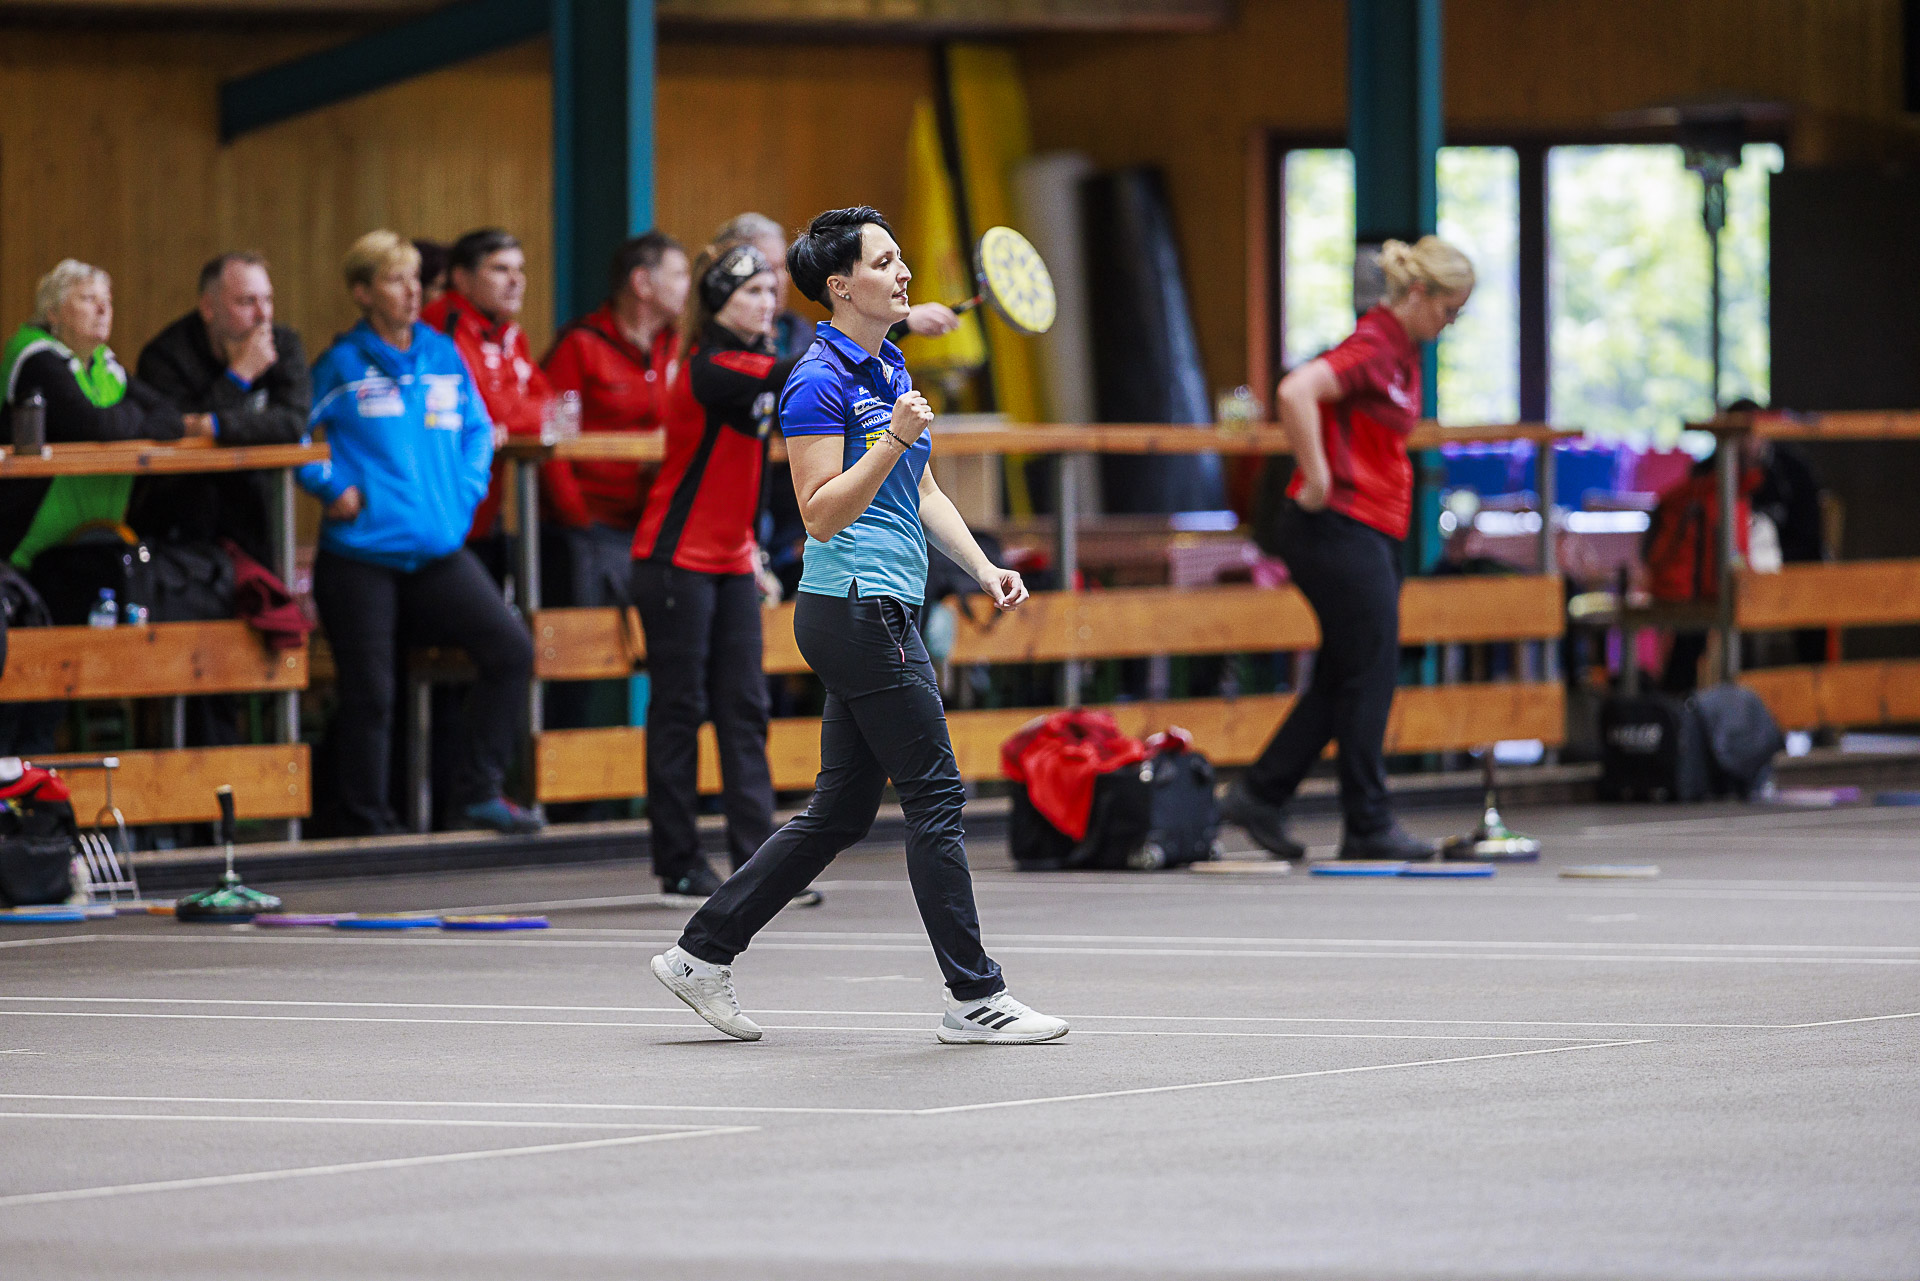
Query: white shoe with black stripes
(997, 1020)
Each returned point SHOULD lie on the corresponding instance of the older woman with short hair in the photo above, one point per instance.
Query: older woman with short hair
(62, 354)
(412, 446)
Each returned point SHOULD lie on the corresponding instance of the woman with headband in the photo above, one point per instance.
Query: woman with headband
(694, 562)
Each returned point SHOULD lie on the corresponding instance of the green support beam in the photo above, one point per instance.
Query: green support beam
(427, 43)
(1394, 127)
(603, 87)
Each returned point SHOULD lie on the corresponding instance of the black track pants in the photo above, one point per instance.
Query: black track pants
(883, 719)
(1350, 574)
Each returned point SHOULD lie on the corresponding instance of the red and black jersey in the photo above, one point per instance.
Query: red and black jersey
(701, 511)
(513, 387)
(622, 388)
(1365, 431)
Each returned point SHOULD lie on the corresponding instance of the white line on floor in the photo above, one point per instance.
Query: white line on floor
(686, 1025)
(1764, 822)
(782, 945)
(356, 1167)
(49, 942)
(922, 1014)
(344, 1120)
(451, 1103)
(1260, 1080)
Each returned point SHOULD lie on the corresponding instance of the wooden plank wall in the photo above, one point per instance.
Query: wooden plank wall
(1188, 102)
(108, 153)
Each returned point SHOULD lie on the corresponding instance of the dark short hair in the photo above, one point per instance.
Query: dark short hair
(433, 262)
(830, 246)
(643, 251)
(217, 267)
(476, 247)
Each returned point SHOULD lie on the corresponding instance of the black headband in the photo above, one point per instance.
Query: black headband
(731, 270)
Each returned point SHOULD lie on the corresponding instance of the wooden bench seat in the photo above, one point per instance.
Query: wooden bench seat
(595, 644)
(272, 780)
(46, 663)
(590, 764)
(1864, 593)
(1849, 695)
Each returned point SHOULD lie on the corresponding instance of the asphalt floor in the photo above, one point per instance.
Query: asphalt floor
(1711, 1074)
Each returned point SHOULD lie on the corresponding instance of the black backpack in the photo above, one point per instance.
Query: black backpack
(1656, 747)
(1147, 815)
(38, 836)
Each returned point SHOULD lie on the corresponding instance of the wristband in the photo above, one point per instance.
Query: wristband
(896, 440)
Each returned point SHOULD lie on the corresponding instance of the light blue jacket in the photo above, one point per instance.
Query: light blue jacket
(408, 428)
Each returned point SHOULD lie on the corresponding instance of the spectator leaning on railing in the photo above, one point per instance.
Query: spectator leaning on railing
(62, 354)
(480, 311)
(411, 450)
(226, 358)
(620, 360)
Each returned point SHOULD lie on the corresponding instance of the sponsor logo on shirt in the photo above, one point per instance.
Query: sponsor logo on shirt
(1402, 395)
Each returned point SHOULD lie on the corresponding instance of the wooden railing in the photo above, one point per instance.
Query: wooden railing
(1071, 628)
(1875, 593)
(173, 660)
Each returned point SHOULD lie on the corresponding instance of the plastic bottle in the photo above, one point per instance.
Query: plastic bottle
(134, 615)
(30, 426)
(105, 612)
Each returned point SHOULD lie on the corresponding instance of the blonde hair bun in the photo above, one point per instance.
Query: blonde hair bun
(1430, 261)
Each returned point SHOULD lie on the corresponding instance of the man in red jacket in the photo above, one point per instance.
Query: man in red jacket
(620, 359)
(487, 286)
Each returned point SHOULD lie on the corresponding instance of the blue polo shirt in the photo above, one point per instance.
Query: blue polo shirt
(838, 389)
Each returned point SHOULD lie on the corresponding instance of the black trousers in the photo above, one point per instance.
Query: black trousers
(883, 719)
(703, 663)
(371, 613)
(1350, 574)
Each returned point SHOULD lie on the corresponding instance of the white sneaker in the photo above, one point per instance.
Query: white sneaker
(708, 989)
(997, 1020)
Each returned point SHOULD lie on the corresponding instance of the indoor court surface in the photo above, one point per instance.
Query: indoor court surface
(1711, 1074)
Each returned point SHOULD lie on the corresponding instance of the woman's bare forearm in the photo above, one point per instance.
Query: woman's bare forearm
(947, 529)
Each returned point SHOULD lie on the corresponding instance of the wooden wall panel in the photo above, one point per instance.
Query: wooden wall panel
(1188, 102)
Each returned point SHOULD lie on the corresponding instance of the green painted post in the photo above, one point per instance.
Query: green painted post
(603, 86)
(1394, 126)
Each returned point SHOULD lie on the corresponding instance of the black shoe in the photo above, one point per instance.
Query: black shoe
(1264, 822)
(1392, 843)
(808, 898)
(698, 881)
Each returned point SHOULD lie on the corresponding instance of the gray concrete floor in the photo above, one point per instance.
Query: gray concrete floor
(1708, 1075)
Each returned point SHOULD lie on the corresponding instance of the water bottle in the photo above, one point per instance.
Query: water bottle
(569, 415)
(105, 613)
(134, 615)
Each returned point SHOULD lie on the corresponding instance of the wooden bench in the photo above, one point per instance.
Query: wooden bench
(166, 660)
(1845, 695)
(170, 660)
(588, 644)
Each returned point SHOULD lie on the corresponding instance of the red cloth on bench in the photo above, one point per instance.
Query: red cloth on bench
(1058, 757)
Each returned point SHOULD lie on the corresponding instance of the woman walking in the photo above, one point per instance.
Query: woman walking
(694, 562)
(857, 437)
(1347, 416)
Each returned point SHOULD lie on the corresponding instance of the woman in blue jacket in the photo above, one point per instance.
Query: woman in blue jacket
(412, 446)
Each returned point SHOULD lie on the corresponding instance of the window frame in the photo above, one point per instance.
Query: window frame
(1266, 325)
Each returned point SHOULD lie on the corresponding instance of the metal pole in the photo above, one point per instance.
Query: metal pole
(1727, 554)
(1066, 554)
(1543, 463)
(1713, 320)
(528, 501)
(286, 535)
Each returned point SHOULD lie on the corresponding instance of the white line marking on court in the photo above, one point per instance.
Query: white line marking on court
(452, 1103)
(685, 1025)
(1260, 1080)
(922, 1014)
(1770, 822)
(49, 942)
(780, 945)
(345, 1120)
(356, 1167)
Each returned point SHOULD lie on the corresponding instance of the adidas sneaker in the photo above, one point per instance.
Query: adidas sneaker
(997, 1020)
(708, 990)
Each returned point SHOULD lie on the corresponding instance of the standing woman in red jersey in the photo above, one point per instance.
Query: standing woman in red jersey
(694, 562)
(1347, 416)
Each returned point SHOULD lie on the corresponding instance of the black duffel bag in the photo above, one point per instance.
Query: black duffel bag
(38, 836)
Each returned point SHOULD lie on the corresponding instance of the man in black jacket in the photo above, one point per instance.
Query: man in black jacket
(226, 358)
